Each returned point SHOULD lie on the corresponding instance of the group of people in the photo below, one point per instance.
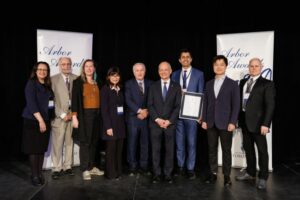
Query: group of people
(151, 113)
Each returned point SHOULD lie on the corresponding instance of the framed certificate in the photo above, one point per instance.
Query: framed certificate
(191, 105)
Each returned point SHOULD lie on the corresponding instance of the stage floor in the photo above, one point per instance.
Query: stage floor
(283, 183)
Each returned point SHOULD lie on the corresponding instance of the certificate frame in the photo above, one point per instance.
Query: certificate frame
(190, 101)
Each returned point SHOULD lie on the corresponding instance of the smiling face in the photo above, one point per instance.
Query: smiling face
(89, 68)
(255, 67)
(41, 72)
(139, 71)
(185, 59)
(65, 65)
(114, 79)
(164, 70)
(219, 67)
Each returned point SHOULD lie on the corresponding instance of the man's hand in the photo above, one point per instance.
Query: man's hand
(204, 125)
(230, 127)
(109, 132)
(264, 130)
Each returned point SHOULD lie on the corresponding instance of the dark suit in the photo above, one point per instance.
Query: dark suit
(167, 110)
(110, 101)
(137, 128)
(259, 112)
(218, 113)
(186, 130)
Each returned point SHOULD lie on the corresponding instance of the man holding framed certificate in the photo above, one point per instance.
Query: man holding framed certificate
(191, 81)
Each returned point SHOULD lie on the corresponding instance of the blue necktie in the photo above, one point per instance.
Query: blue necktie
(165, 91)
(184, 80)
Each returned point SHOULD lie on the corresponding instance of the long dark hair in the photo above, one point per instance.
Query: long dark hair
(33, 75)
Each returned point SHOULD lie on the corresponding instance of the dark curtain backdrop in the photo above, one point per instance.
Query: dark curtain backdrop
(151, 35)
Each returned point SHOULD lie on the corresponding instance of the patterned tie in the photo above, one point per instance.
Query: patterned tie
(141, 87)
(165, 91)
(184, 80)
(249, 85)
(68, 84)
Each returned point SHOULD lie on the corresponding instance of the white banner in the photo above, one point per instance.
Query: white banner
(51, 45)
(239, 49)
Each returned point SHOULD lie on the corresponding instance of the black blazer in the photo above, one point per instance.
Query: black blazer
(225, 108)
(110, 100)
(168, 110)
(260, 105)
(77, 106)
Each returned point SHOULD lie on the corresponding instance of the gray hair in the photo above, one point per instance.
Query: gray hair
(136, 64)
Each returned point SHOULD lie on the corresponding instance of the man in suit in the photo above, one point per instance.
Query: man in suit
(164, 105)
(220, 114)
(136, 93)
(61, 125)
(191, 80)
(258, 103)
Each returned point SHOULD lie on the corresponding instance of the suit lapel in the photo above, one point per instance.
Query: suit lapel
(256, 85)
(192, 79)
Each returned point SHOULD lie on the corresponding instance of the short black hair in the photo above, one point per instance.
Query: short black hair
(185, 50)
(220, 57)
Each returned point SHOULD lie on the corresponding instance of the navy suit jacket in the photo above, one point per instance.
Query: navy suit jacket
(196, 82)
(135, 100)
(168, 110)
(260, 105)
(225, 108)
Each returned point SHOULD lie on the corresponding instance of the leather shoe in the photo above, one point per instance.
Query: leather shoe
(169, 179)
(191, 175)
(261, 184)
(179, 171)
(35, 181)
(245, 177)
(69, 172)
(155, 179)
(55, 175)
(42, 179)
(227, 181)
(212, 178)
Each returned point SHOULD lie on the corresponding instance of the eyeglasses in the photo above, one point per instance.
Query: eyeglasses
(44, 70)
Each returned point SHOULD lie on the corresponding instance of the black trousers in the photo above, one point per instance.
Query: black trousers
(157, 135)
(114, 158)
(213, 135)
(261, 142)
(87, 152)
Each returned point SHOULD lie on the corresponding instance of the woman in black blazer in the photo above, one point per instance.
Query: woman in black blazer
(112, 104)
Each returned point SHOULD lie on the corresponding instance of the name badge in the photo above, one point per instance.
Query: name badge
(120, 110)
(245, 99)
(51, 104)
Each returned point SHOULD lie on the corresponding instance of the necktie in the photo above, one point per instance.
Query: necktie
(184, 80)
(165, 91)
(68, 83)
(249, 85)
(141, 87)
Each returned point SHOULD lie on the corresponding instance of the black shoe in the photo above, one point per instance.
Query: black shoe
(212, 178)
(191, 175)
(69, 172)
(261, 184)
(169, 179)
(156, 179)
(35, 181)
(179, 171)
(227, 181)
(132, 172)
(55, 175)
